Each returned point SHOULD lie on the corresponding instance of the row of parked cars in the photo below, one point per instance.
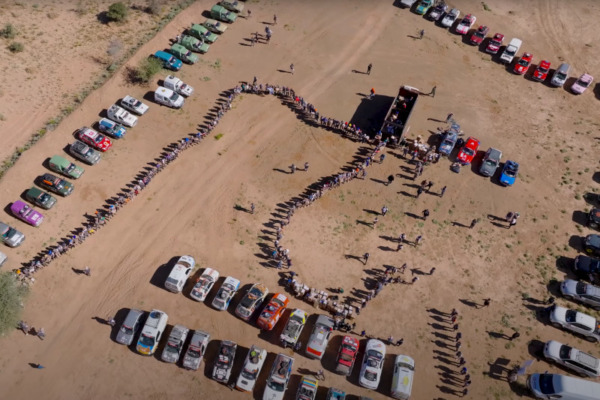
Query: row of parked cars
(447, 17)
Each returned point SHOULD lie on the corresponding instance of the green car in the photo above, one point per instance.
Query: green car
(200, 32)
(222, 14)
(65, 167)
(232, 5)
(55, 184)
(183, 54)
(40, 198)
(193, 44)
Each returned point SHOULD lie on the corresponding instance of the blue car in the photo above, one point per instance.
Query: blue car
(424, 6)
(169, 61)
(449, 140)
(509, 173)
(111, 128)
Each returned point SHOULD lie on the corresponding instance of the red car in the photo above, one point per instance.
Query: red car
(523, 64)
(479, 34)
(467, 153)
(495, 43)
(541, 72)
(93, 138)
(346, 356)
(272, 312)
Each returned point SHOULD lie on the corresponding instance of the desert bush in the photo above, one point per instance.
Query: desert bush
(12, 295)
(16, 47)
(9, 32)
(117, 12)
(155, 7)
(147, 69)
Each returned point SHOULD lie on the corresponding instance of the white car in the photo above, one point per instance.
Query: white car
(407, 3)
(511, 50)
(370, 372)
(467, 23)
(575, 321)
(118, 114)
(581, 292)
(279, 378)
(252, 365)
(450, 18)
(180, 273)
(195, 351)
(585, 364)
(134, 105)
(204, 284)
(174, 346)
(226, 292)
(177, 85)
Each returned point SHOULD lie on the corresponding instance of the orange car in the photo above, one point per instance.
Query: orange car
(272, 312)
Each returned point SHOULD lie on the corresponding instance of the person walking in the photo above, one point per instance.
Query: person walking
(486, 302)
(390, 179)
(275, 20)
(418, 240)
(252, 208)
(369, 67)
(473, 223)
(292, 68)
(443, 191)
(293, 168)
(421, 33)
(306, 166)
(513, 222)
(87, 271)
(432, 93)
(514, 336)
(425, 214)
(431, 271)
(449, 117)
(366, 258)
(384, 210)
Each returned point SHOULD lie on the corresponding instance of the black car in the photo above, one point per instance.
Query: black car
(585, 266)
(591, 245)
(594, 218)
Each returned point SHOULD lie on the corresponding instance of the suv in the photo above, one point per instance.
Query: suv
(511, 50)
(319, 337)
(594, 218)
(130, 327)
(585, 364)
(174, 344)
(63, 166)
(490, 162)
(224, 363)
(278, 377)
(183, 54)
(169, 61)
(582, 292)
(10, 236)
(195, 351)
(180, 273)
(40, 198)
(151, 333)
(575, 321)
(56, 185)
(178, 86)
(585, 266)
(591, 245)
(84, 153)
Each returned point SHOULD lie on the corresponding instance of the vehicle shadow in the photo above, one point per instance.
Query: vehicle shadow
(119, 318)
(580, 217)
(329, 360)
(565, 264)
(162, 343)
(576, 242)
(568, 83)
(212, 349)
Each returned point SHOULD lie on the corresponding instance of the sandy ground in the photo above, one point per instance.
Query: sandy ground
(189, 208)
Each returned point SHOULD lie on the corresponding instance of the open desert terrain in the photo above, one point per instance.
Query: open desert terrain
(195, 205)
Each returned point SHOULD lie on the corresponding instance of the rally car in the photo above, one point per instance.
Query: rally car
(541, 72)
(523, 64)
(467, 152)
(480, 34)
(467, 23)
(93, 138)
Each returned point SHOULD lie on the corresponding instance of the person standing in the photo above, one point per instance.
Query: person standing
(473, 223)
(87, 271)
(274, 19)
(514, 336)
(449, 117)
(372, 93)
(421, 33)
(425, 214)
(366, 258)
(418, 240)
(384, 210)
(486, 302)
(306, 166)
(443, 191)
(293, 168)
(390, 179)
(292, 68)
(513, 222)
(375, 221)
(432, 93)
(252, 208)
(111, 321)
(369, 67)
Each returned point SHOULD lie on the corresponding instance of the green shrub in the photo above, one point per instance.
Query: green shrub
(147, 69)
(117, 12)
(12, 295)
(9, 32)
(16, 47)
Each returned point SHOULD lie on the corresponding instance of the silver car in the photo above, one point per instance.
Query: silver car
(581, 292)
(195, 351)
(174, 344)
(585, 364)
(10, 236)
(560, 75)
(84, 152)
(319, 337)
(490, 162)
(130, 327)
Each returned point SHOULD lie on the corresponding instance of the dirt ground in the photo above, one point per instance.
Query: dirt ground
(190, 207)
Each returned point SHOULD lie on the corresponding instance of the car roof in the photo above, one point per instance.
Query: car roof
(59, 160)
(132, 316)
(593, 240)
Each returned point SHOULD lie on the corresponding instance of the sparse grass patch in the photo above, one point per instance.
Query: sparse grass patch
(16, 47)
(485, 6)
(218, 136)
(8, 32)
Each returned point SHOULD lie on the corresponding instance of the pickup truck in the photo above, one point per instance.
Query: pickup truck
(395, 122)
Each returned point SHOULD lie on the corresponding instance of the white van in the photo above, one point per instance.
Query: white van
(404, 370)
(151, 332)
(511, 50)
(554, 386)
(180, 273)
(168, 97)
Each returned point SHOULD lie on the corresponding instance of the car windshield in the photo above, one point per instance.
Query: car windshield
(523, 62)
(249, 374)
(543, 70)
(193, 352)
(43, 198)
(127, 330)
(564, 352)
(570, 316)
(511, 51)
(546, 386)
(147, 340)
(491, 163)
(276, 386)
(583, 83)
(495, 42)
(172, 347)
(174, 97)
(511, 171)
(480, 34)
(370, 376)
(137, 104)
(98, 138)
(580, 288)
(468, 151)
(561, 76)
(204, 282)
(71, 167)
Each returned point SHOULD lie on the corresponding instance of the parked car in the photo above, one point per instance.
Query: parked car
(174, 345)
(226, 292)
(214, 26)
(372, 364)
(177, 85)
(572, 358)
(200, 32)
(63, 166)
(168, 97)
(10, 236)
(560, 75)
(407, 3)
(180, 273)
(541, 72)
(480, 34)
(194, 44)
(293, 328)
(111, 128)
(130, 327)
(490, 162)
(93, 138)
(575, 321)
(585, 266)
(438, 11)
(224, 362)
(346, 355)
(272, 312)
(509, 173)
(469, 150)
(168, 60)
(321, 333)
(402, 381)
(449, 140)
(423, 7)
(555, 386)
(120, 115)
(151, 332)
(279, 377)
(40, 198)
(581, 84)
(204, 284)
(495, 43)
(25, 213)
(195, 351)
(255, 359)
(511, 50)
(466, 24)
(591, 245)
(522, 66)
(581, 292)
(3, 258)
(335, 394)
(234, 6)
(450, 18)
(55, 184)
(593, 220)
(183, 54)
(84, 153)
(251, 300)
(307, 389)
(134, 105)
(222, 14)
